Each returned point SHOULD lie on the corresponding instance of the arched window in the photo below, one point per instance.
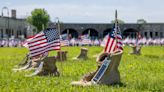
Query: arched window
(93, 33)
(72, 32)
(107, 31)
(130, 32)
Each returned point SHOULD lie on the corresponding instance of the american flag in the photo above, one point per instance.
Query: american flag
(104, 41)
(138, 38)
(25, 43)
(64, 40)
(119, 39)
(85, 39)
(44, 41)
(114, 40)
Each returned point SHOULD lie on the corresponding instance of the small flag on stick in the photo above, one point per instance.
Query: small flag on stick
(114, 41)
(44, 41)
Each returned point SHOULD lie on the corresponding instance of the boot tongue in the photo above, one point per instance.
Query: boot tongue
(36, 71)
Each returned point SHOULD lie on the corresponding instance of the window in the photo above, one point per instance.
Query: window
(18, 33)
(12, 32)
(151, 34)
(1, 33)
(156, 34)
(161, 34)
(145, 34)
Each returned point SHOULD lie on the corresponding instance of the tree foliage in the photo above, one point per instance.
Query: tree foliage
(39, 18)
(141, 21)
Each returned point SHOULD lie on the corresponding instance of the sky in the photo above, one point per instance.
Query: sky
(91, 11)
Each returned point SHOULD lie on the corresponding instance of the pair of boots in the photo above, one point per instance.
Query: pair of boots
(110, 76)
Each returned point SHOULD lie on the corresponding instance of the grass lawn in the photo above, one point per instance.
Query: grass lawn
(138, 73)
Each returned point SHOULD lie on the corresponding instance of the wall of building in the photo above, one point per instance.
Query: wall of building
(149, 30)
(14, 27)
(19, 27)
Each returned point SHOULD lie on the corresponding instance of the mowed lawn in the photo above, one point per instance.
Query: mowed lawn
(138, 73)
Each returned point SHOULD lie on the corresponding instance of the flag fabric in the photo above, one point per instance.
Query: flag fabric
(25, 43)
(119, 39)
(64, 40)
(138, 38)
(44, 41)
(64, 36)
(111, 42)
(85, 39)
(114, 41)
(104, 41)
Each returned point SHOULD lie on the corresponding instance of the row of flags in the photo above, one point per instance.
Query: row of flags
(50, 39)
(10, 42)
(85, 39)
(143, 41)
(79, 42)
(64, 40)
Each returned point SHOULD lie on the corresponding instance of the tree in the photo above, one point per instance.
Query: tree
(119, 21)
(39, 18)
(141, 21)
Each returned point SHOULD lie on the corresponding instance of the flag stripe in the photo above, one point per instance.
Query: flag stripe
(42, 44)
(49, 49)
(113, 46)
(55, 43)
(106, 47)
(43, 49)
(110, 43)
(38, 43)
(114, 40)
(40, 48)
(45, 41)
(37, 40)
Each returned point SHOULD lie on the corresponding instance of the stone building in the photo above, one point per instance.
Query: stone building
(13, 27)
(19, 28)
(99, 30)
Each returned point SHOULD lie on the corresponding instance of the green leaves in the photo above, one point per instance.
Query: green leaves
(39, 18)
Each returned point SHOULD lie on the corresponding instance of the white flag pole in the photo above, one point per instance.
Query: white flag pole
(58, 28)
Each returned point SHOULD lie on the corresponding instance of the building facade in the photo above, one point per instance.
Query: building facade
(13, 27)
(19, 28)
(148, 30)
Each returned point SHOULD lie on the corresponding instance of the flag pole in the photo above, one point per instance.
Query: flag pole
(58, 27)
(116, 26)
(67, 34)
(89, 32)
(116, 20)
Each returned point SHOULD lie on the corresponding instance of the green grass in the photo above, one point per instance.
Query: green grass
(138, 73)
